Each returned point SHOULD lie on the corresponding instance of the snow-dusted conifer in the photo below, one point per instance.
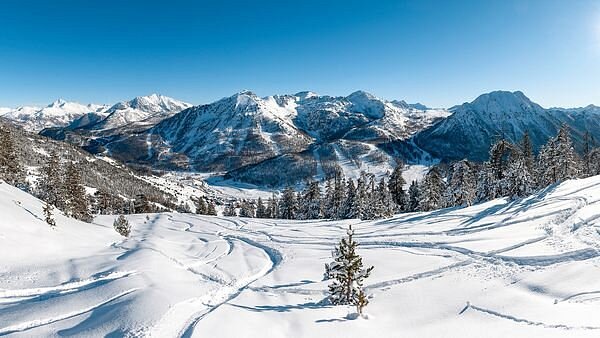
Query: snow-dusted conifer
(122, 226)
(272, 207)
(431, 194)
(261, 211)
(461, 189)
(76, 201)
(396, 187)
(413, 197)
(11, 170)
(211, 209)
(51, 184)
(347, 273)
(311, 202)
(48, 214)
(288, 205)
(230, 210)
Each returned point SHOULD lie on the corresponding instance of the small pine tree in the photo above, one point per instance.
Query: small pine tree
(76, 201)
(261, 211)
(310, 206)
(11, 170)
(122, 226)
(48, 214)
(201, 206)
(461, 189)
(211, 209)
(288, 206)
(272, 207)
(413, 197)
(396, 187)
(347, 274)
(431, 194)
(51, 185)
(229, 210)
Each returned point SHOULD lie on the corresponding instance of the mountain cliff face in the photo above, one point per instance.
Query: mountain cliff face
(473, 127)
(297, 136)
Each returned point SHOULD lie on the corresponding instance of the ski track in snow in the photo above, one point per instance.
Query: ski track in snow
(526, 321)
(40, 322)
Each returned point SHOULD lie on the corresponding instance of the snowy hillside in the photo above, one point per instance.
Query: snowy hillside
(527, 268)
(59, 113)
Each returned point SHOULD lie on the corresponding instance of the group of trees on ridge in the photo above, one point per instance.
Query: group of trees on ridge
(512, 170)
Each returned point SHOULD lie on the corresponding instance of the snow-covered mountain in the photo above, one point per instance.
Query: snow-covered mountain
(304, 134)
(59, 113)
(474, 126)
(146, 110)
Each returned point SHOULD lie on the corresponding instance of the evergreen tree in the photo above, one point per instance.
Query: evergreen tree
(288, 206)
(230, 210)
(272, 207)
(384, 205)
(526, 150)
(557, 160)
(141, 204)
(567, 162)
(350, 195)
(201, 206)
(520, 176)
(247, 209)
(51, 185)
(121, 225)
(347, 274)
(48, 214)
(431, 194)
(261, 211)
(327, 203)
(413, 197)
(10, 168)
(462, 185)
(396, 187)
(588, 146)
(76, 202)
(311, 202)
(211, 209)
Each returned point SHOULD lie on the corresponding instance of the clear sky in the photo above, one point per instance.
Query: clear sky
(440, 53)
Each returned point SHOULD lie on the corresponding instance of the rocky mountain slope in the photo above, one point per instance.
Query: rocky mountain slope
(473, 127)
(305, 134)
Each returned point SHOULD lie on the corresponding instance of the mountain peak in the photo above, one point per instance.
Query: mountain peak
(501, 101)
(57, 103)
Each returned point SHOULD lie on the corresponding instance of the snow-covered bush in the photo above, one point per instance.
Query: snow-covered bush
(122, 226)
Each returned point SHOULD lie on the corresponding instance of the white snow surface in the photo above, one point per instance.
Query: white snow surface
(526, 268)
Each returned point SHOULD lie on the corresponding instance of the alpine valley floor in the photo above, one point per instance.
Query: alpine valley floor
(527, 268)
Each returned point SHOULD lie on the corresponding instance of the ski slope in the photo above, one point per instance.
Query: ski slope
(527, 268)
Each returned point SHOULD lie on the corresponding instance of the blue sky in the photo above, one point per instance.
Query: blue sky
(440, 53)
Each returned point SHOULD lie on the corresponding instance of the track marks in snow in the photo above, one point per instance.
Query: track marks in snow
(526, 321)
(41, 322)
(20, 295)
(181, 319)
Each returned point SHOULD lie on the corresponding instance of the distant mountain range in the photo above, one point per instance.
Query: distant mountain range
(283, 139)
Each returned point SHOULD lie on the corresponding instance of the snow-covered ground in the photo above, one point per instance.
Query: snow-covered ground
(528, 268)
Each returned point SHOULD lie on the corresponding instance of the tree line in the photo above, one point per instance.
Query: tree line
(513, 170)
